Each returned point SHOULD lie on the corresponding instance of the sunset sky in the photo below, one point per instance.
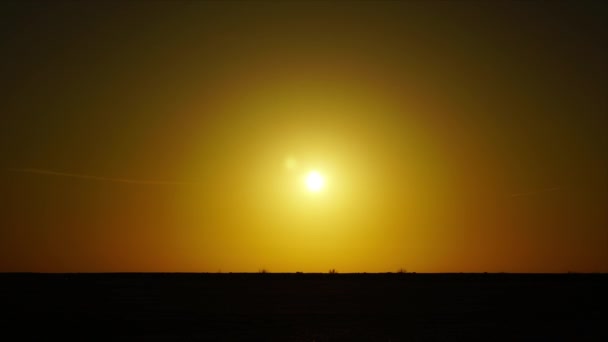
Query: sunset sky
(444, 136)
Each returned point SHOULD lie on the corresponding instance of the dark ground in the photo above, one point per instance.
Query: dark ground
(305, 307)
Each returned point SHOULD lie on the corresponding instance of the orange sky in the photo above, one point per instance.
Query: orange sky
(453, 137)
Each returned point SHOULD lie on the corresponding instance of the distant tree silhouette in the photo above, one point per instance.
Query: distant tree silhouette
(333, 271)
(402, 270)
(263, 271)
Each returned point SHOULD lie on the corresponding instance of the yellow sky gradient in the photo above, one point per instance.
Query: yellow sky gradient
(450, 140)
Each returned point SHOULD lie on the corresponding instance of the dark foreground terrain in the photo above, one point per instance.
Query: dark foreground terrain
(305, 307)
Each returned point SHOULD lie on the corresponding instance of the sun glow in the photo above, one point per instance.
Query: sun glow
(314, 181)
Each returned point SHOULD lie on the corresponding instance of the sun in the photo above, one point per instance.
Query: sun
(314, 181)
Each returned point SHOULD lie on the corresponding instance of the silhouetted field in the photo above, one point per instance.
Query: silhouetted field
(305, 307)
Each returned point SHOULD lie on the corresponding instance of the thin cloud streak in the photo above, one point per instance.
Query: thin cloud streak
(535, 192)
(99, 178)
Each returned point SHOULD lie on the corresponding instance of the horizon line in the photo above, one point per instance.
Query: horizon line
(298, 272)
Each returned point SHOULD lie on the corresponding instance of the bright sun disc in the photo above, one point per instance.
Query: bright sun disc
(314, 181)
